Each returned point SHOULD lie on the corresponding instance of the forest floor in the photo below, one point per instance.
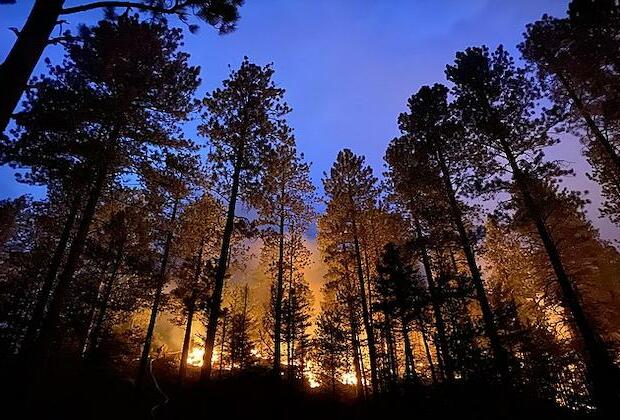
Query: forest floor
(103, 394)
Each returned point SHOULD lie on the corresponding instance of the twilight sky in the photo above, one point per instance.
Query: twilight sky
(348, 66)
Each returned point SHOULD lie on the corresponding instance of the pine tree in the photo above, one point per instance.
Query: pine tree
(45, 15)
(399, 284)
(108, 122)
(351, 191)
(241, 121)
(497, 101)
(576, 57)
(430, 125)
(168, 188)
(286, 198)
(197, 247)
(330, 346)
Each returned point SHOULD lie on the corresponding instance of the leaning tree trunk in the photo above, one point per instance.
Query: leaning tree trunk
(436, 304)
(24, 55)
(602, 373)
(277, 330)
(216, 299)
(161, 282)
(490, 327)
(48, 284)
(51, 321)
(601, 139)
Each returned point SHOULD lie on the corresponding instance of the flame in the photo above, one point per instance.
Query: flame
(313, 381)
(195, 357)
(348, 378)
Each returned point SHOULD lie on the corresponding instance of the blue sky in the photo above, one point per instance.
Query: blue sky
(348, 65)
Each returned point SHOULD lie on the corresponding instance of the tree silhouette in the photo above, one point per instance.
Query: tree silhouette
(241, 121)
(497, 100)
(103, 122)
(351, 190)
(45, 15)
(576, 57)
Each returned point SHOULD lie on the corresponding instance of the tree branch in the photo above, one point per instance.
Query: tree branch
(127, 4)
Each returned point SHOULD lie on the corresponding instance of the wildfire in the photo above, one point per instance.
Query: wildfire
(311, 376)
(195, 356)
(348, 378)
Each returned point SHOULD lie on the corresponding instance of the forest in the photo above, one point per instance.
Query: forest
(181, 261)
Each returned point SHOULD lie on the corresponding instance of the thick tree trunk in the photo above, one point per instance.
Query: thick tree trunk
(48, 284)
(24, 55)
(436, 304)
(603, 375)
(488, 318)
(372, 350)
(161, 282)
(277, 330)
(216, 300)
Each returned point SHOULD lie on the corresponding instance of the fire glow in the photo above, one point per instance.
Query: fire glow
(348, 378)
(195, 357)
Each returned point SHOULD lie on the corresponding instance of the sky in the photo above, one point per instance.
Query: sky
(348, 66)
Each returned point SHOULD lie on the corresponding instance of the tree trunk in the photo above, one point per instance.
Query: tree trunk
(490, 328)
(51, 321)
(427, 350)
(161, 282)
(410, 372)
(372, 352)
(94, 330)
(290, 323)
(277, 330)
(244, 342)
(356, 355)
(220, 273)
(187, 338)
(333, 374)
(436, 304)
(391, 348)
(24, 55)
(602, 373)
(222, 346)
(191, 308)
(609, 149)
(48, 284)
